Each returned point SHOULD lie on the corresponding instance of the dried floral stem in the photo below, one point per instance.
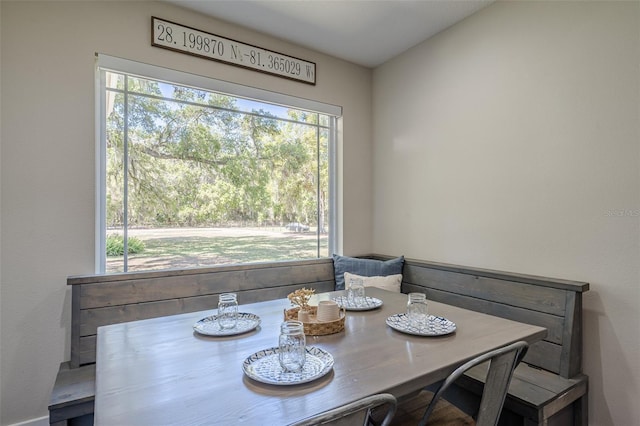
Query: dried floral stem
(301, 297)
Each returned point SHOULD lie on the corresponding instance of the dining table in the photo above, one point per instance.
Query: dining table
(163, 371)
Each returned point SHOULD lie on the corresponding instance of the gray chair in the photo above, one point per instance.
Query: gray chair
(438, 411)
(355, 413)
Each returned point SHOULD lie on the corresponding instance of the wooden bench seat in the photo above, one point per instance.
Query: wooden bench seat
(73, 394)
(537, 396)
(548, 387)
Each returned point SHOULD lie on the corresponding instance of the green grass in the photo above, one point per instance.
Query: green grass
(183, 252)
(244, 249)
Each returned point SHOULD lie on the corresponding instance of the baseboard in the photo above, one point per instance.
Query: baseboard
(41, 421)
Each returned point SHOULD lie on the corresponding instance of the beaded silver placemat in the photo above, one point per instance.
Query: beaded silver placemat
(349, 305)
(209, 326)
(265, 367)
(435, 326)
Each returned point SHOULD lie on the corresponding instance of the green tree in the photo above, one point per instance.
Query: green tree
(196, 160)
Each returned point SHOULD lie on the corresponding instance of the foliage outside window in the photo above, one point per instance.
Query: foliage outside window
(194, 178)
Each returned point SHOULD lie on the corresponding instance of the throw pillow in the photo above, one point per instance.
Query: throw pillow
(390, 282)
(364, 267)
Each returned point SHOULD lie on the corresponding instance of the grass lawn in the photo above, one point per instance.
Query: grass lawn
(188, 248)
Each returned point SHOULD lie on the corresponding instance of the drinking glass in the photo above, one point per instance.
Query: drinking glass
(355, 292)
(417, 313)
(227, 310)
(292, 352)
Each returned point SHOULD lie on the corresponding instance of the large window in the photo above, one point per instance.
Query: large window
(192, 176)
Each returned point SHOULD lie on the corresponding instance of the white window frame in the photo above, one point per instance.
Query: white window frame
(112, 63)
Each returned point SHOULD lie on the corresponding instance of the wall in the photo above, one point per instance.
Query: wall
(511, 141)
(0, 206)
(48, 164)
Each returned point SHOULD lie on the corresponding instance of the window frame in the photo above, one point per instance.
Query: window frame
(125, 66)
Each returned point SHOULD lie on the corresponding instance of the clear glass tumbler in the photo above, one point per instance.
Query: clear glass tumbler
(355, 292)
(417, 312)
(292, 351)
(227, 310)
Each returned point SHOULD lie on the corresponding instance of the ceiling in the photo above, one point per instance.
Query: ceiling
(365, 32)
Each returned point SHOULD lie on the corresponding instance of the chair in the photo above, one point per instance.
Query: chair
(441, 412)
(355, 413)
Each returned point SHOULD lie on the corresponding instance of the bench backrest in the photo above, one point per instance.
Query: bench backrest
(99, 300)
(552, 303)
(556, 304)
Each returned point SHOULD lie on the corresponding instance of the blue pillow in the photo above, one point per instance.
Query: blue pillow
(364, 267)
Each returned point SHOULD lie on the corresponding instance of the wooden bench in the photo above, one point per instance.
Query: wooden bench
(548, 387)
(98, 300)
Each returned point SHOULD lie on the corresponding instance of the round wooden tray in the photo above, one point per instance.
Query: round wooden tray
(314, 327)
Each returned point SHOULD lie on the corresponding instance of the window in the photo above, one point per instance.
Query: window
(192, 175)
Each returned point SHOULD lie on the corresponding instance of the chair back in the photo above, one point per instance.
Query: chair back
(502, 362)
(354, 413)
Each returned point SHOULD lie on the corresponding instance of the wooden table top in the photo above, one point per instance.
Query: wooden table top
(160, 372)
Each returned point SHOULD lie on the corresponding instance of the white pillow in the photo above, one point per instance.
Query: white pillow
(389, 282)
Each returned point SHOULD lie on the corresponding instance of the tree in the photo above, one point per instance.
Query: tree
(194, 159)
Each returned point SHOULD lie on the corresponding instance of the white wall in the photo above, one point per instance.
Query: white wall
(512, 141)
(0, 209)
(47, 172)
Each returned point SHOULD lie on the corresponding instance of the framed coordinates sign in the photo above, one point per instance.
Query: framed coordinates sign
(183, 39)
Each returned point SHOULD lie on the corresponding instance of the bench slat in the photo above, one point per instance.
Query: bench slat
(170, 273)
(544, 355)
(91, 319)
(554, 324)
(544, 379)
(87, 350)
(536, 280)
(95, 295)
(542, 299)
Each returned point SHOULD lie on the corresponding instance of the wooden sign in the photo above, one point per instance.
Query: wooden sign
(183, 39)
